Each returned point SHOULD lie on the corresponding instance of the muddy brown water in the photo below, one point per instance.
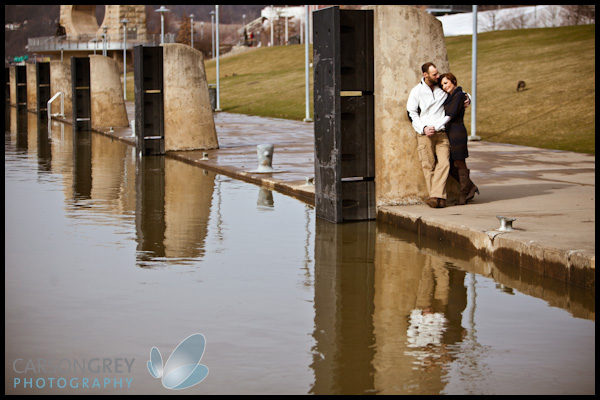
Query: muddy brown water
(108, 255)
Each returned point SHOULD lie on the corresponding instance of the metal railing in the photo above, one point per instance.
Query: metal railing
(92, 42)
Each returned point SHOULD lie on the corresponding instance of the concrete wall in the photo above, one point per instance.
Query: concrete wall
(404, 39)
(60, 81)
(189, 122)
(106, 93)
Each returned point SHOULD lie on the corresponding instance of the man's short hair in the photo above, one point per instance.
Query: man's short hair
(425, 67)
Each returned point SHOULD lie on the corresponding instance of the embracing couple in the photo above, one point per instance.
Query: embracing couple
(436, 108)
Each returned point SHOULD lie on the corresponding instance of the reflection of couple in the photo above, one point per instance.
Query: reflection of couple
(437, 113)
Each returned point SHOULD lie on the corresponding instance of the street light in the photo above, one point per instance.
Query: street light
(192, 24)
(95, 41)
(124, 21)
(473, 135)
(286, 25)
(271, 24)
(217, 48)
(307, 65)
(162, 10)
(212, 33)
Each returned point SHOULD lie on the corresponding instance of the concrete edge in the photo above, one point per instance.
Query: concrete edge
(569, 266)
(299, 190)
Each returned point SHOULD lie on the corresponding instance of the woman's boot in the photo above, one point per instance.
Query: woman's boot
(465, 186)
(472, 188)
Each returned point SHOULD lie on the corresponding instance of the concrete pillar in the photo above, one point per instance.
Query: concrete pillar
(13, 85)
(189, 122)
(106, 93)
(60, 81)
(31, 87)
(404, 39)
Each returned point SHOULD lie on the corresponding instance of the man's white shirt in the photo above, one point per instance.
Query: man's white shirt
(426, 107)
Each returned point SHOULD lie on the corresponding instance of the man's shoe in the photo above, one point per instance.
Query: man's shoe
(432, 202)
(441, 203)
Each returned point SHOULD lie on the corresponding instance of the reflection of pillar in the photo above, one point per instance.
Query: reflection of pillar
(343, 353)
(20, 127)
(188, 197)
(82, 165)
(44, 152)
(32, 133)
(108, 168)
(173, 208)
(412, 286)
(150, 208)
(61, 147)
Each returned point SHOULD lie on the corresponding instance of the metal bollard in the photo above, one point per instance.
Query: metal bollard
(265, 158)
(505, 223)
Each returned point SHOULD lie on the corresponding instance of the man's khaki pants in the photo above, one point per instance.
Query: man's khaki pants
(434, 153)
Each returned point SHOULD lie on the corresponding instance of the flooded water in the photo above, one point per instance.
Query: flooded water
(108, 256)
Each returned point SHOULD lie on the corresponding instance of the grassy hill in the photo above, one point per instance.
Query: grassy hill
(556, 111)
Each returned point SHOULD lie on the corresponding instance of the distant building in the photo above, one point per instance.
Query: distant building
(447, 10)
(12, 26)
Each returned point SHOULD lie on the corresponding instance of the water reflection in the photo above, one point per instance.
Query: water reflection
(410, 306)
(307, 306)
(172, 209)
(377, 293)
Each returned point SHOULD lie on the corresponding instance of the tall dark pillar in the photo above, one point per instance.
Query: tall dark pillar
(344, 114)
(149, 105)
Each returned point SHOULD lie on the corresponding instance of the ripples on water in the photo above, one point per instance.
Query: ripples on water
(108, 255)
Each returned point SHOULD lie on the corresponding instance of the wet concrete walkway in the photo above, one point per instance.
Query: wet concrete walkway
(550, 193)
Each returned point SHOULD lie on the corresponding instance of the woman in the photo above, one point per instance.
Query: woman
(457, 135)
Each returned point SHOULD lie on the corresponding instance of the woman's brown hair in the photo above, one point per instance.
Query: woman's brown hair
(450, 76)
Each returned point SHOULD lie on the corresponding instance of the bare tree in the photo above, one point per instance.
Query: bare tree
(491, 19)
(517, 19)
(185, 27)
(580, 14)
(551, 16)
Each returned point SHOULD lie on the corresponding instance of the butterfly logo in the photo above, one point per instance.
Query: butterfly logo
(183, 368)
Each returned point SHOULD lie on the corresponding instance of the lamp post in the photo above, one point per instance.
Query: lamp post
(192, 25)
(217, 48)
(124, 21)
(307, 65)
(162, 10)
(271, 23)
(286, 26)
(473, 135)
(95, 41)
(212, 33)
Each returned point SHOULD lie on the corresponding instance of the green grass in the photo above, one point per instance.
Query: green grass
(556, 111)
(268, 82)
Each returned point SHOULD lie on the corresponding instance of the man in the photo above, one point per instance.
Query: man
(425, 108)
